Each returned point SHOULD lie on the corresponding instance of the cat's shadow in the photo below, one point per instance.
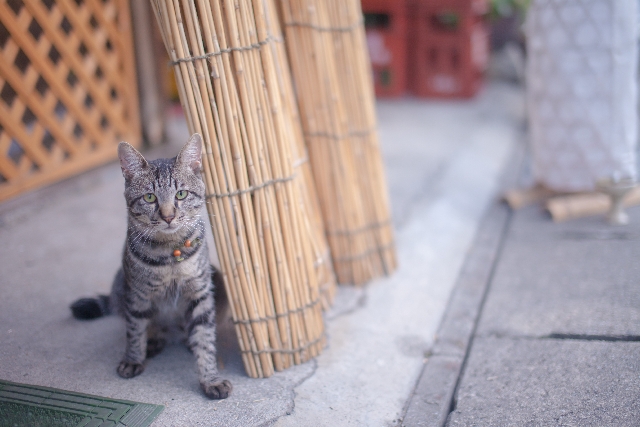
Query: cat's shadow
(229, 355)
(175, 364)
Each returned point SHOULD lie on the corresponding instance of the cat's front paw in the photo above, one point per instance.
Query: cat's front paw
(218, 389)
(130, 369)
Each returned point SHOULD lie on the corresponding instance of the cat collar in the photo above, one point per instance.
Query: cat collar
(177, 253)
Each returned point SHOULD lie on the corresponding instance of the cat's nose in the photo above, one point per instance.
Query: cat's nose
(167, 213)
(167, 218)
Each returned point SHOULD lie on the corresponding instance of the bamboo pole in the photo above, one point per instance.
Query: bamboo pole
(260, 214)
(578, 205)
(330, 66)
(519, 198)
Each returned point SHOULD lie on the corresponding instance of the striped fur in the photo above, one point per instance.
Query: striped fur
(153, 284)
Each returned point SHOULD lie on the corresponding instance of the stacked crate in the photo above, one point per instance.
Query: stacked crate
(451, 48)
(386, 28)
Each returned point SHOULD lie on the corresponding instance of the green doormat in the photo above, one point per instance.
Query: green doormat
(24, 405)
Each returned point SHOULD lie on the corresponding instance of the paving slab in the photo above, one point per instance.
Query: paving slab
(547, 382)
(573, 278)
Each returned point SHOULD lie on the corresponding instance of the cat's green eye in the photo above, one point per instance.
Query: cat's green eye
(149, 197)
(181, 194)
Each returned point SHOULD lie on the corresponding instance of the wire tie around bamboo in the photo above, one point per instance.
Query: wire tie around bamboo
(361, 255)
(277, 316)
(336, 137)
(252, 46)
(321, 28)
(252, 188)
(300, 349)
(364, 229)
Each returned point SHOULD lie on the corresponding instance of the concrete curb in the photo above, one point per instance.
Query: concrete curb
(433, 398)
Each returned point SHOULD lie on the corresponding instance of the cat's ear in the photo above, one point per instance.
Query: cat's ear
(191, 153)
(131, 161)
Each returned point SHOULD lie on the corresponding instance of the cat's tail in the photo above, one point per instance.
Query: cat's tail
(91, 308)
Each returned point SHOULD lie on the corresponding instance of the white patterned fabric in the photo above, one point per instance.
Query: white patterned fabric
(582, 91)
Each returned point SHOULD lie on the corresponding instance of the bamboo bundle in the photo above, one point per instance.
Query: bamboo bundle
(330, 66)
(324, 268)
(228, 87)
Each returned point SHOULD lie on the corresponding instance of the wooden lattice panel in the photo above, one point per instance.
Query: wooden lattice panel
(67, 88)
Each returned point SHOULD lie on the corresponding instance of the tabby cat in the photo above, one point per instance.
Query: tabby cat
(165, 269)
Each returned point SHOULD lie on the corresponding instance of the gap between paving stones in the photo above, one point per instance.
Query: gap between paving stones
(565, 337)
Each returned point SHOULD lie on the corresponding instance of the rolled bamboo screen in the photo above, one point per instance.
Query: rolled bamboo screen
(324, 268)
(67, 89)
(228, 82)
(326, 45)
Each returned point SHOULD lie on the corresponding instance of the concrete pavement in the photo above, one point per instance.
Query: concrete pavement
(494, 318)
(558, 341)
(543, 328)
(444, 161)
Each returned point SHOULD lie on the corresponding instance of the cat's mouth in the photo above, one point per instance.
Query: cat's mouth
(170, 228)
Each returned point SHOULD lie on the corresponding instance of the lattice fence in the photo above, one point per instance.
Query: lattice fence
(67, 88)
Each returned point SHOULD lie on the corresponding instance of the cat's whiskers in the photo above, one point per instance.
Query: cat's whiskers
(137, 233)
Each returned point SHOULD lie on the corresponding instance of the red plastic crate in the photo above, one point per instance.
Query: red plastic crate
(452, 48)
(386, 27)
